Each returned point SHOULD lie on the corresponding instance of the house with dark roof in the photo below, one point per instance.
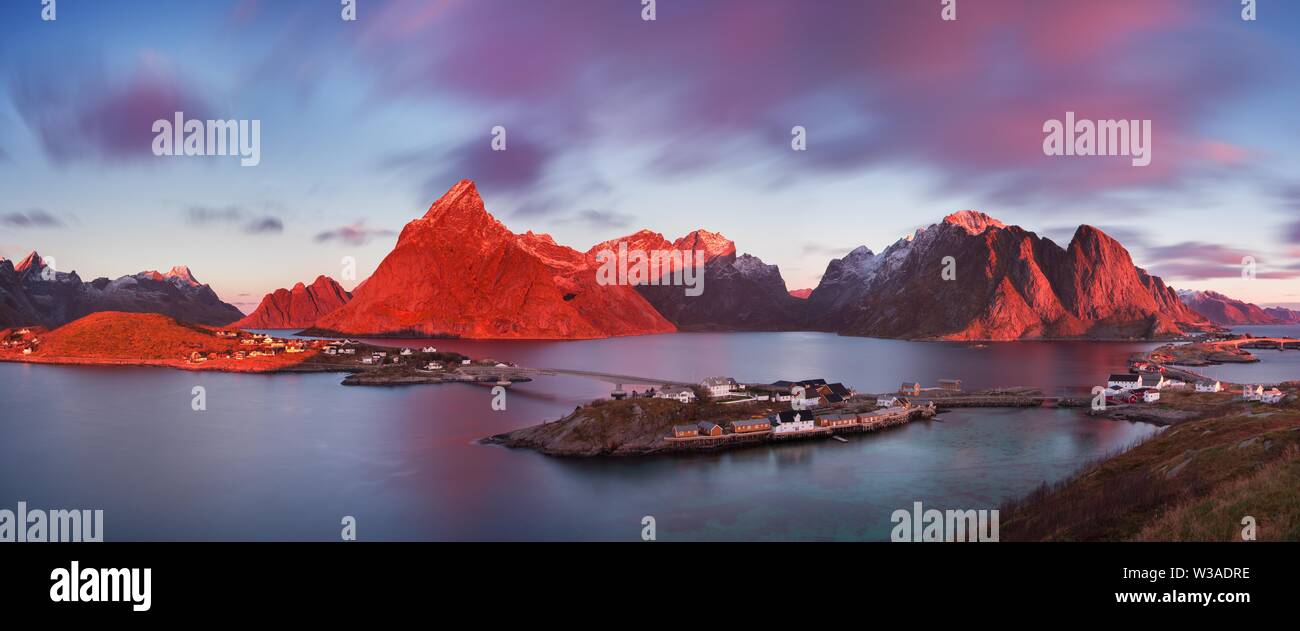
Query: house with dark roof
(911, 388)
(686, 431)
(1129, 381)
(789, 421)
(709, 428)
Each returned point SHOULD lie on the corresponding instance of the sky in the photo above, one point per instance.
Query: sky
(615, 123)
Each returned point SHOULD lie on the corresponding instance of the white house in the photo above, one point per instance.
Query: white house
(719, 386)
(886, 401)
(406, 351)
(1273, 396)
(1252, 393)
(1174, 383)
(1209, 386)
(1151, 396)
(790, 421)
(680, 393)
(464, 362)
(1129, 381)
(428, 349)
(811, 399)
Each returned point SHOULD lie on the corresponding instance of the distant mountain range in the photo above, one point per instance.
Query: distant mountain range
(1226, 311)
(32, 293)
(457, 271)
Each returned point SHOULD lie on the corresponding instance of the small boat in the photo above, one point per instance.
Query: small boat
(840, 438)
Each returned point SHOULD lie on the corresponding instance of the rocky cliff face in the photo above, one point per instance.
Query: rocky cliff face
(457, 271)
(15, 307)
(740, 293)
(55, 298)
(1226, 311)
(298, 307)
(1002, 283)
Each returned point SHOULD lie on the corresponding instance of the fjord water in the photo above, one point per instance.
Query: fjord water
(286, 457)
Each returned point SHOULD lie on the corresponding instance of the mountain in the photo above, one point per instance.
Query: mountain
(1226, 311)
(1283, 315)
(56, 298)
(459, 272)
(15, 307)
(1005, 283)
(298, 307)
(737, 292)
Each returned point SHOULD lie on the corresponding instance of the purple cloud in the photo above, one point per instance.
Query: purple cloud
(33, 218)
(354, 234)
(77, 113)
(874, 83)
(1194, 260)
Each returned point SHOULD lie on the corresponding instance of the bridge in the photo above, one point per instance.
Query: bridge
(1280, 343)
(504, 374)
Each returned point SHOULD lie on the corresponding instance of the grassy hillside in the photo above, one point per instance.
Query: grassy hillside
(1194, 481)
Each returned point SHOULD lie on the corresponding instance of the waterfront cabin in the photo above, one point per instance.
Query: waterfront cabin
(837, 420)
(951, 385)
(886, 401)
(709, 428)
(680, 393)
(686, 431)
(750, 426)
(910, 388)
(1129, 381)
(719, 386)
(789, 421)
(1209, 386)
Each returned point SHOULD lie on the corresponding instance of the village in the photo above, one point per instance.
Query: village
(810, 408)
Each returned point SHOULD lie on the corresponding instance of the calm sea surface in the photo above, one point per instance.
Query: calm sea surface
(278, 457)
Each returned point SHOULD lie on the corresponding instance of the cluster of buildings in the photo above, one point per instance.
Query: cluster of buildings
(1133, 387)
(18, 341)
(791, 422)
(259, 346)
(815, 406)
(807, 394)
(1146, 387)
(1272, 396)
